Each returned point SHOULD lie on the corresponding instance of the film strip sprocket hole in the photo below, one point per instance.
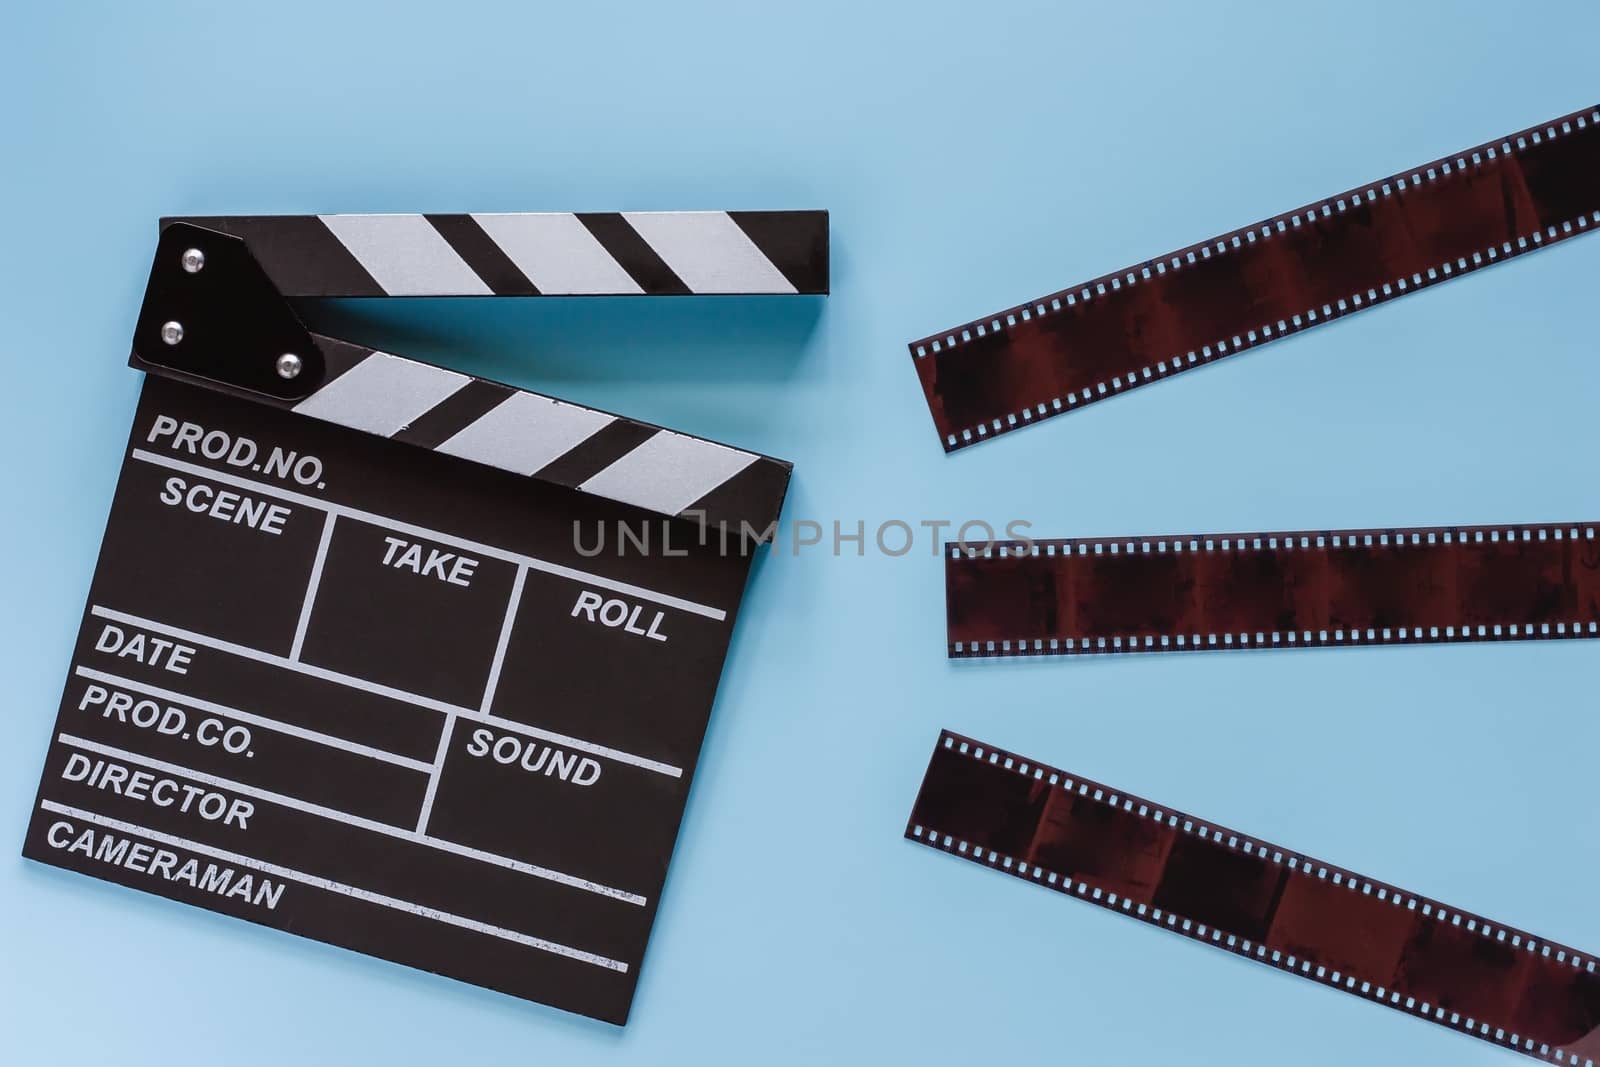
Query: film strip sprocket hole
(1259, 900)
(1244, 288)
(1290, 589)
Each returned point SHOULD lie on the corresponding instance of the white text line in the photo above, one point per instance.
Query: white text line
(112, 752)
(316, 882)
(426, 534)
(311, 586)
(375, 688)
(254, 720)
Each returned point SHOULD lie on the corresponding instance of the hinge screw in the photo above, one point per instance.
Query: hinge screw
(172, 332)
(193, 260)
(289, 366)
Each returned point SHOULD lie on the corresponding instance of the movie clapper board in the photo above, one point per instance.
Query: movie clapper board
(346, 667)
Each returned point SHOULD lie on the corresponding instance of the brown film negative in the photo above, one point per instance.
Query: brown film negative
(1260, 901)
(1290, 589)
(1285, 274)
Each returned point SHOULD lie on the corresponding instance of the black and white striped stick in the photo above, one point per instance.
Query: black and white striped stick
(653, 253)
(528, 434)
(214, 314)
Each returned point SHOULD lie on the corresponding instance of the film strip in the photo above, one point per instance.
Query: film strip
(1279, 276)
(1211, 592)
(1259, 900)
(605, 253)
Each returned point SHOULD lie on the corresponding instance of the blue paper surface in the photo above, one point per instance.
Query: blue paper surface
(973, 156)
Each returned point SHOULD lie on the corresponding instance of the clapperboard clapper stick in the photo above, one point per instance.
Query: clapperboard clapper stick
(1289, 589)
(1194, 306)
(347, 667)
(1259, 900)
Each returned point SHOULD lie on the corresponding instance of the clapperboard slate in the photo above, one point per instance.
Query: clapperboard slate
(344, 669)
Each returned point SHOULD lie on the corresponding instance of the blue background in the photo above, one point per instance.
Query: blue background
(973, 155)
